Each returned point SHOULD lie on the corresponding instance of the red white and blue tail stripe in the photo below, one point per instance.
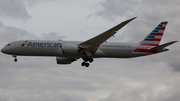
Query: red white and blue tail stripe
(154, 38)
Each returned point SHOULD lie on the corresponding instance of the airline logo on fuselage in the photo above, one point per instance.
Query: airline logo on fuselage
(24, 43)
(40, 44)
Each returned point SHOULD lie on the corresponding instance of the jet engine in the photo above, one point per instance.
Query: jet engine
(63, 60)
(69, 49)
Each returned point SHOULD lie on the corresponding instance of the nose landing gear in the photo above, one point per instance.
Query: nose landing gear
(15, 56)
(15, 60)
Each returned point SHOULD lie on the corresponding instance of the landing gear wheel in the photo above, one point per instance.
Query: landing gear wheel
(88, 59)
(15, 56)
(85, 59)
(15, 60)
(83, 64)
(87, 64)
(91, 60)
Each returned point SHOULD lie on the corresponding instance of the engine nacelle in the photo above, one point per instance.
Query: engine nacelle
(69, 49)
(63, 60)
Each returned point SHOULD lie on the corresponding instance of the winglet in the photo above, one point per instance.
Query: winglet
(122, 24)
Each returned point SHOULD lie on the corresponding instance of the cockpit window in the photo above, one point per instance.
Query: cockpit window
(8, 44)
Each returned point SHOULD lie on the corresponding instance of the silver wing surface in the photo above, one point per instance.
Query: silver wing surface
(90, 46)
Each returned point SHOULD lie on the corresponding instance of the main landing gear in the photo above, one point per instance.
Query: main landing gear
(85, 63)
(15, 56)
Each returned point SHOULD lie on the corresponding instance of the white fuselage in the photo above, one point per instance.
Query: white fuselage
(56, 48)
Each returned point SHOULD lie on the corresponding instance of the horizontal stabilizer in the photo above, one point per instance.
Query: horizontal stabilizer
(163, 45)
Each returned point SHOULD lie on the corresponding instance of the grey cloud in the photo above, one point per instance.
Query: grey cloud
(147, 88)
(31, 2)
(118, 8)
(17, 9)
(44, 80)
(1, 25)
(150, 14)
(140, 79)
(112, 9)
(35, 2)
(162, 92)
(10, 33)
(52, 36)
(14, 9)
(175, 57)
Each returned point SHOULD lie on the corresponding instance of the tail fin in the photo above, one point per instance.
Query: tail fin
(154, 38)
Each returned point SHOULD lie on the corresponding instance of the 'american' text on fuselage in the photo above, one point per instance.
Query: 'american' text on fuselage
(36, 44)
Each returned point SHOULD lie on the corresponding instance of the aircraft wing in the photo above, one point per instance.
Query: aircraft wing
(90, 46)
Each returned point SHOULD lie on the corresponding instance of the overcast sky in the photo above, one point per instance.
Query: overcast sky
(149, 78)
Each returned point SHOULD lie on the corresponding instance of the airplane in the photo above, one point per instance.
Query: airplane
(67, 52)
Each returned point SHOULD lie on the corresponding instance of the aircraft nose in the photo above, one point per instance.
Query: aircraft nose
(8, 49)
(3, 50)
